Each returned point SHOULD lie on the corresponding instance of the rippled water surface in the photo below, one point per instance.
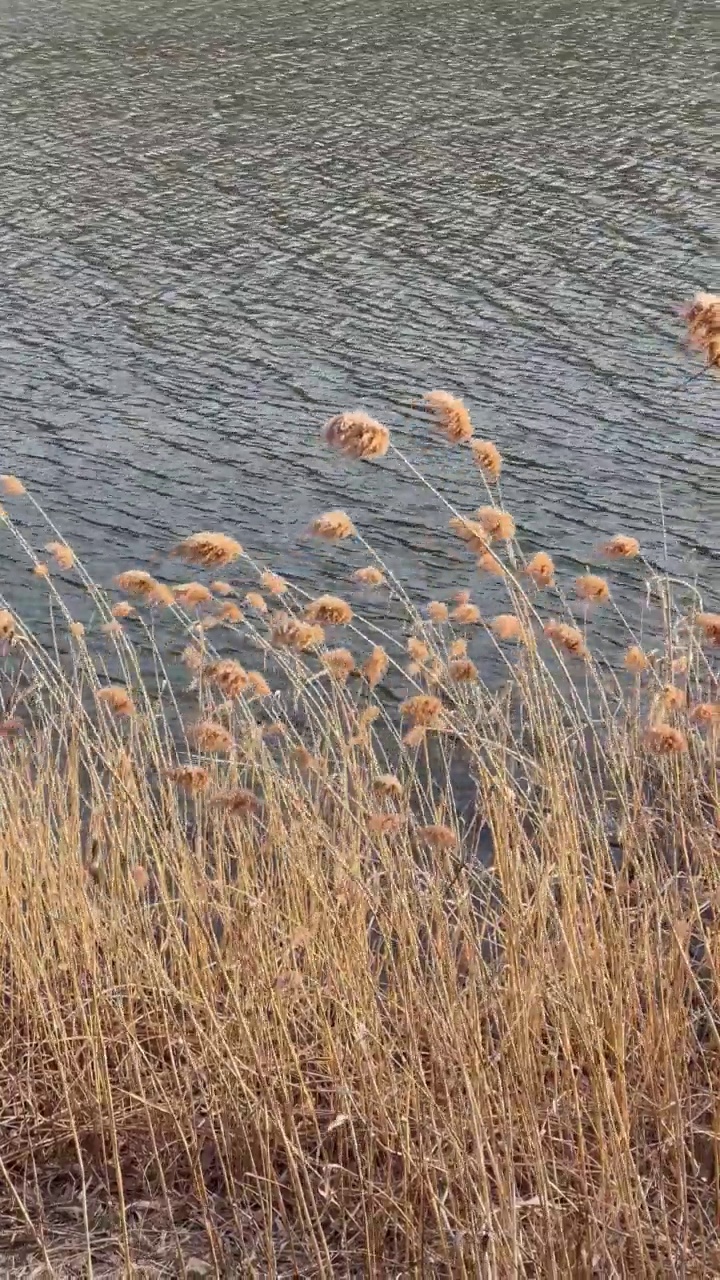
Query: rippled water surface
(222, 221)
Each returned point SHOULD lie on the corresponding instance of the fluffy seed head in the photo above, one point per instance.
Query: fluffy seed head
(709, 625)
(255, 601)
(7, 626)
(541, 569)
(636, 660)
(620, 547)
(123, 609)
(450, 416)
(507, 626)
(228, 676)
(339, 662)
(375, 667)
(387, 785)
(210, 736)
(706, 714)
(330, 611)
(12, 487)
(357, 435)
(567, 638)
(62, 554)
(292, 633)
(208, 550)
(370, 576)
(117, 699)
(488, 457)
(237, 801)
(466, 615)
(230, 612)
(415, 736)
(77, 630)
(41, 571)
(161, 595)
(471, 532)
(463, 671)
(273, 583)
(437, 611)
(113, 628)
(489, 563)
(333, 526)
(673, 699)
(417, 649)
(437, 836)
(189, 777)
(190, 594)
(665, 739)
(258, 685)
(496, 524)
(192, 658)
(384, 824)
(140, 878)
(136, 582)
(592, 588)
(222, 588)
(703, 321)
(421, 708)
(461, 597)
(458, 648)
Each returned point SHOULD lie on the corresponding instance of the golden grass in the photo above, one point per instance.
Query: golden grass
(266, 1009)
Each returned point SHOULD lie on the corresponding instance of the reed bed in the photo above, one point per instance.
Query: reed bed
(324, 952)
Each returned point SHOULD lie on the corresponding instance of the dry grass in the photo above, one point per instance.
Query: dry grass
(265, 1008)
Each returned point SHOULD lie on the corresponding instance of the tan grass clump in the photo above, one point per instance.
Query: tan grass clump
(208, 550)
(592, 588)
(375, 667)
(437, 611)
(357, 435)
(466, 615)
(292, 633)
(462, 671)
(192, 778)
(273, 583)
(508, 627)
(450, 416)
(665, 739)
(228, 676)
(117, 700)
(62, 554)
(333, 526)
(339, 662)
(488, 457)
(709, 625)
(636, 660)
(12, 487)
(211, 737)
(541, 570)
(329, 611)
(496, 524)
(566, 637)
(369, 576)
(422, 709)
(620, 547)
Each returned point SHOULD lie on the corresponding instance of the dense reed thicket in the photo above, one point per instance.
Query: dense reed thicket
(300, 978)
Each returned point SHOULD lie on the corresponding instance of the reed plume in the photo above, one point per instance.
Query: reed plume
(466, 615)
(333, 526)
(417, 649)
(422, 708)
(211, 737)
(636, 660)
(449, 415)
(665, 739)
(292, 633)
(255, 601)
(7, 627)
(191, 594)
(117, 700)
(239, 802)
(496, 524)
(230, 612)
(222, 588)
(706, 714)
(508, 627)
(592, 588)
(228, 676)
(471, 532)
(136, 582)
(709, 625)
(62, 554)
(437, 611)
(77, 630)
(541, 569)
(375, 667)
(329, 611)
(463, 671)
(370, 576)
(123, 609)
(488, 562)
(41, 571)
(458, 648)
(192, 778)
(620, 547)
(273, 583)
(259, 687)
(357, 435)
(703, 321)
(208, 550)
(488, 458)
(438, 836)
(566, 637)
(387, 784)
(339, 662)
(12, 487)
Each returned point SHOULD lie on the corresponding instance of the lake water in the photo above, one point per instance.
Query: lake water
(221, 221)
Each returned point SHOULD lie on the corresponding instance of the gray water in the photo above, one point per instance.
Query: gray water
(221, 221)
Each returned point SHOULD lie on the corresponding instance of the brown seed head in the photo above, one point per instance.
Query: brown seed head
(706, 714)
(417, 649)
(665, 739)
(7, 626)
(566, 637)
(333, 526)
(709, 625)
(208, 550)
(488, 457)
(41, 571)
(210, 736)
(370, 576)
(422, 708)
(541, 569)
(192, 658)
(450, 416)
(458, 648)
(222, 588)
(113, 628)
(255, 601)
(237, 801)
(77, 630)
(228, 676)
(463, 671)
(375, 667)
(273, 583)
(438, 836)
(230, 612)
(292, 633)
(357, 435)
(592, 588)
(117, 699)
(189, 777)
(259, 687)
(471, 532)
(62, 554)
(489, 563)
(339, 662)
(191, 594)
(330, 611)
(496, 524)
(507, 626)
(387, 785)
(636, 660)
(620, 547)
(12, 487)
(136, 582)
(384, 824)
(673, 699)
(437, 611)
(466, 615)
(415, 736)
(161, 595)
(123, 609)
(140, 878)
